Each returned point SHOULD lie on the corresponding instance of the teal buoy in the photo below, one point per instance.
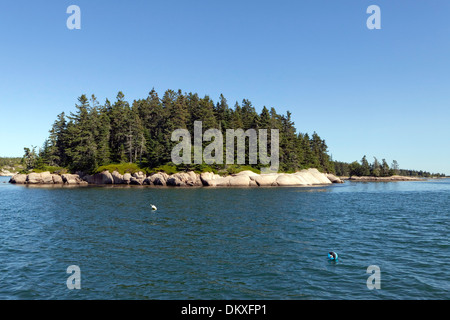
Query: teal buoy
(332, 255)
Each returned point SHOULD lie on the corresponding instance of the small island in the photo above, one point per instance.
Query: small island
(131, 144)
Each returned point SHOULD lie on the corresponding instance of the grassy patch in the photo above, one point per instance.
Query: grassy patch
(51, 169)
(197, 168)
(205, 168)
(169, 169)
(233, 169)
(121, 168)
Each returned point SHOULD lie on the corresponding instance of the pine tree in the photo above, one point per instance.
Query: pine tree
(96, 135)
(150, 112)
(288, 145)
(384, 168)
(81, 133)
(222, 113)
(264, 119)
(138, 142)
(236, 118)
(102, 137)
(205, 113)
(365, 167)
(250, 117)
(308, 160)
(355, 169)
(55, 153)
(318, 148)
(119, 120)
(30, 157)
(395, 167)
(376, 168)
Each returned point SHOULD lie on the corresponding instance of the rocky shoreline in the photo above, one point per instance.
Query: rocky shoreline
(7, 173)
(309, 177)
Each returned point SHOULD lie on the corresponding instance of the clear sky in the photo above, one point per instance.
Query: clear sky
(383, 93)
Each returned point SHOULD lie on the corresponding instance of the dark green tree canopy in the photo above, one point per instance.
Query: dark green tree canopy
(98, 134)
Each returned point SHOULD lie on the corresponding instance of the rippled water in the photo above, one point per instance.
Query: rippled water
(226, 243)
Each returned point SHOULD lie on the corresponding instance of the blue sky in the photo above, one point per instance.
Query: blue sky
(383, 93)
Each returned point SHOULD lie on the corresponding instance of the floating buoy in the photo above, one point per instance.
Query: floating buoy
(154, 207)
(332, 255)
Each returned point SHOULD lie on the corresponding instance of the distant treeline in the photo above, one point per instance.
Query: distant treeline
(10, 162)
(378, 169)
(116, 132)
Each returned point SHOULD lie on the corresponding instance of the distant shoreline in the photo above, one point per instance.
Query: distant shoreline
(383, 179)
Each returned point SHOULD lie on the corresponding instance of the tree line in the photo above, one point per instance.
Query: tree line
(10, 161)
(97, 134)
(378, 169)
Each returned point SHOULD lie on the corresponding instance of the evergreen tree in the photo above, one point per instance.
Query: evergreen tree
(384, 172)
(376, 168)
(205, 113)
(236, 118)
(55, 152)
(103, 133)
(249, 115)
(365, 167)
(355, 169)
(96, 135)
(342, 169)
(288, 145)
(81, 138)
(318, 147)
(222, 113)
(138, 141)
(395, 167)
(152, 118)
(119, 122)
(264, 119)
(30, 158)
(309, 159)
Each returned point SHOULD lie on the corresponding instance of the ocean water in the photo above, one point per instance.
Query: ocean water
(226, 243)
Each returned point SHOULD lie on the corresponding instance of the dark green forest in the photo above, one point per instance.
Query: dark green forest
(137, 136)
(9, 161)
(97, 135)
(378, 169)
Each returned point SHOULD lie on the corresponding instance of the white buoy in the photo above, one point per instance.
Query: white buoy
(154, 207)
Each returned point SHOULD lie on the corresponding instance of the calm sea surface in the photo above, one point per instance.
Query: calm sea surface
(226, 243)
